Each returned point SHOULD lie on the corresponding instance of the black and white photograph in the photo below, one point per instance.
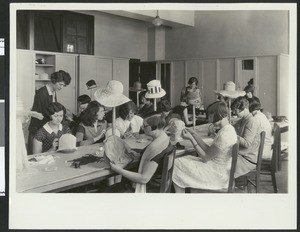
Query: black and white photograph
(152, 116)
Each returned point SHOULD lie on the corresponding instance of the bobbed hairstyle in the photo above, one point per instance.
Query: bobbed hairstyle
(165, 106)
(125, 108)
(218, 109)
(53, 108)
(249, 88)
(240, 103)
(142, 95)
(90, 113)
(254, 105)
(156, 122)
(83, 99)
(192, 80)
(60, 76)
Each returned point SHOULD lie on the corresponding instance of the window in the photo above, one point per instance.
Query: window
(56, 31)
(248, 65)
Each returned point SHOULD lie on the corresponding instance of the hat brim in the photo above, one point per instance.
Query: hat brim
(67, 150)
(156, 95)
(136, 90)
(110, 100)
(231, 94)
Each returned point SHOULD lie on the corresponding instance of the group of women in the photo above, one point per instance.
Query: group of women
(208, 169)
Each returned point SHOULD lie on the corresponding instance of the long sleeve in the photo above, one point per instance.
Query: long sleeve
(247, 132)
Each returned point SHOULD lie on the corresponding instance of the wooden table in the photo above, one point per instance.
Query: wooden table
(60, 176)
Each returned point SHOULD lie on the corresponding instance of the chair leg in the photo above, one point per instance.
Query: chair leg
(274, 181)
(248, 186)
(257, 184)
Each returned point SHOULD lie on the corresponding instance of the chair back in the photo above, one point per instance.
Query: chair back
(167, 172)
(259, 159)
(276, 147)
(235, 151)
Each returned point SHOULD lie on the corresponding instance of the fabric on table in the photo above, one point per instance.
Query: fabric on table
(190, 171)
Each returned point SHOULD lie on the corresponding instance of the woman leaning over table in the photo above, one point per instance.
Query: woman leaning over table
(93, 127)
(151, 164)
(211, 168)
(46, 138)
(248, 133)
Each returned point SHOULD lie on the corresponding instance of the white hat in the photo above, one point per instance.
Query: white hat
(67, 143)
(112, 95)
(230, 91)
(155, 90)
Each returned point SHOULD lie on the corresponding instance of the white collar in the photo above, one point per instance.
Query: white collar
(50, 92)
(49, 129)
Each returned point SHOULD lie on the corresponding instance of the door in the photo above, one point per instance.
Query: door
(245, 70)
(165, 75)
(67, 96)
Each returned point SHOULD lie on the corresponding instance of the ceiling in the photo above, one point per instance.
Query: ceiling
(171, 18)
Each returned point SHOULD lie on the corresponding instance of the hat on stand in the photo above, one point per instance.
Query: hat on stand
(137, 87)
(155, 90)
(112, 95)
(91, 84)
(230, 91)
(67, 143)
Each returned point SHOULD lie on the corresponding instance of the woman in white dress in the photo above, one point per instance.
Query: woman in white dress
(211, 168)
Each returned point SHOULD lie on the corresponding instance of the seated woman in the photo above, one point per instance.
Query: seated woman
(148, 177)
(46, 138)
(93, 127)
(264, 125)
(128, 123)
(147, 106)
(248, 133)
(211, 168)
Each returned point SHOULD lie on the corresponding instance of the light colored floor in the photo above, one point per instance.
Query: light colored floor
(281, 179)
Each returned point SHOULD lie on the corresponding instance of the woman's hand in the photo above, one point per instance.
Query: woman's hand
(114, 167)
(190, 130)
(186, 134)
(55, 144)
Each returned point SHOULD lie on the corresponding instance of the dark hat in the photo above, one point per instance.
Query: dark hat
(91, 84)
(83, 99)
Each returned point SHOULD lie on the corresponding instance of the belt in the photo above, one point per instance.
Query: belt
(249, 160)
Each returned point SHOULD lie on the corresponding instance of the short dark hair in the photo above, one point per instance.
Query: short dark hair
(254, 105)
(53, 108)
(192, 80)
(156, 122)
(249, 88)
(83, 99)
(60, 76)
(142, 95)
(164, 106)
(218, 109)
(125, 108)
(90, 113)
(240, 103)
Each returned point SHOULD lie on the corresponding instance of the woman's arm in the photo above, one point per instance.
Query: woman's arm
(186, 117)
(198, 139)
(37, 146)
(141, 178)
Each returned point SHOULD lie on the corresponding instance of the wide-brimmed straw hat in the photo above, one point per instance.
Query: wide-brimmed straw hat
(230, 90)
(112, 95)
(67, 143)
(155, 90)
(137, 87)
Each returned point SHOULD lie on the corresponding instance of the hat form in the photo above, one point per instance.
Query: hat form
(155, 90)
(230, 90)
(137, 86)
(112, 95)
(67, 143)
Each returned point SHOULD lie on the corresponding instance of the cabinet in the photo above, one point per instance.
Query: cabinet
(44, 67)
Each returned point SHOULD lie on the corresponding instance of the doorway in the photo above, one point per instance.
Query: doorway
(165, 75)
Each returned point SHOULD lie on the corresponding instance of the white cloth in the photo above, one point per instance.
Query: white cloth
(155, 148)
(51, 93)
(190, 171)
(265, 125)
(136, 124)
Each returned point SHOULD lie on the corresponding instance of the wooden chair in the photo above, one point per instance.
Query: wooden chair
(167, 172)
(247, 179)
(230, 188)
(270, 166)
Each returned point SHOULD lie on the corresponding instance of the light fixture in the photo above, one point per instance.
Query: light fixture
(157, 21)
